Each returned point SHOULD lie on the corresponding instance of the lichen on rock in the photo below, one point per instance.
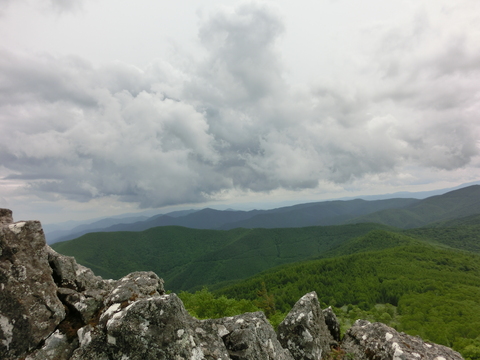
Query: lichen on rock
(30, 310)
(367, 341)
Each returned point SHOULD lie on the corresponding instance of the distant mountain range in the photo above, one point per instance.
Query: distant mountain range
(310, 214)
(189, 256)
(399, 212)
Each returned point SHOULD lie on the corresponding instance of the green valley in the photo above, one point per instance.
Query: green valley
(188, 259)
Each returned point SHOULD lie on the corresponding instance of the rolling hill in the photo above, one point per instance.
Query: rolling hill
(301, 215)
(454, 204)
(190, 258)
(403, 213)
(413, 286)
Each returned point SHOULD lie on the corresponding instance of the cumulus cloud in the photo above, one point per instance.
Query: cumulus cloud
(164, 134)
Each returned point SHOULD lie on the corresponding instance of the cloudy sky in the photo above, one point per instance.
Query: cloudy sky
(115, 106)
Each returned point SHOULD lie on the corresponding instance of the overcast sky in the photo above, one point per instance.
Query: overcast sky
(114, 106)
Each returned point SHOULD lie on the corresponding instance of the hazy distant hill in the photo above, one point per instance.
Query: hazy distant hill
(399, 212)
(454, 204)
(62, 235)
(105, 224)
(320, 213)
(301, 215)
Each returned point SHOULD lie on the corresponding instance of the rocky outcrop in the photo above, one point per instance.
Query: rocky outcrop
(367, 341)
(250, 337)
(30, 309)
(52, 308)
(304, 331)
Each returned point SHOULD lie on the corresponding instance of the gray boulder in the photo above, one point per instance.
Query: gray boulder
(135, 286)
(68, 274)
(150, 328)
(304, 331)
(29, 307)
(79, 289)
(159, 327)
(366, 341)
(56, 347)
(250, 337)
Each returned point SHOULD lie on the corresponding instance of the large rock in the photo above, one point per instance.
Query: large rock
(367, 341)
(304, 331)
(80, 290)
(250, 337)
(68, 274)
(29, 307)
(135, 286)
(157, 327)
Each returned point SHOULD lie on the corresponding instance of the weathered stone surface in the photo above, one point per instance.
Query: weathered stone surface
(150, 328)
(67, 273)
(250, 337)
(332, 323)
(134, 286)
(6, 217)
(78, 287)
(29, 307)
(367, 341)
(160, 328)
(57, 347)
(304, 332)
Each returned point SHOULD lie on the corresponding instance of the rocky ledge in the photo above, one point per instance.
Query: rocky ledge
(53, 308)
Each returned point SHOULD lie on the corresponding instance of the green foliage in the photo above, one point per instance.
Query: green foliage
(188, 259)
(437, 291)
(384, 313)
(470, 348)
(205, 305)
(266, 301)
(462, 234)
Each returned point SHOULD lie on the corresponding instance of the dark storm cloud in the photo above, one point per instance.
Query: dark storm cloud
(165, 135)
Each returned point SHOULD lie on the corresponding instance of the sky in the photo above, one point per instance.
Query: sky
(117, 106)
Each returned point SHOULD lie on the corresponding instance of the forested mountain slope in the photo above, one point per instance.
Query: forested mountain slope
(190, 258)
(435, 292)
(454, 204)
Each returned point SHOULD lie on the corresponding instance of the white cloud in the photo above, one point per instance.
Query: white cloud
(229, 121)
